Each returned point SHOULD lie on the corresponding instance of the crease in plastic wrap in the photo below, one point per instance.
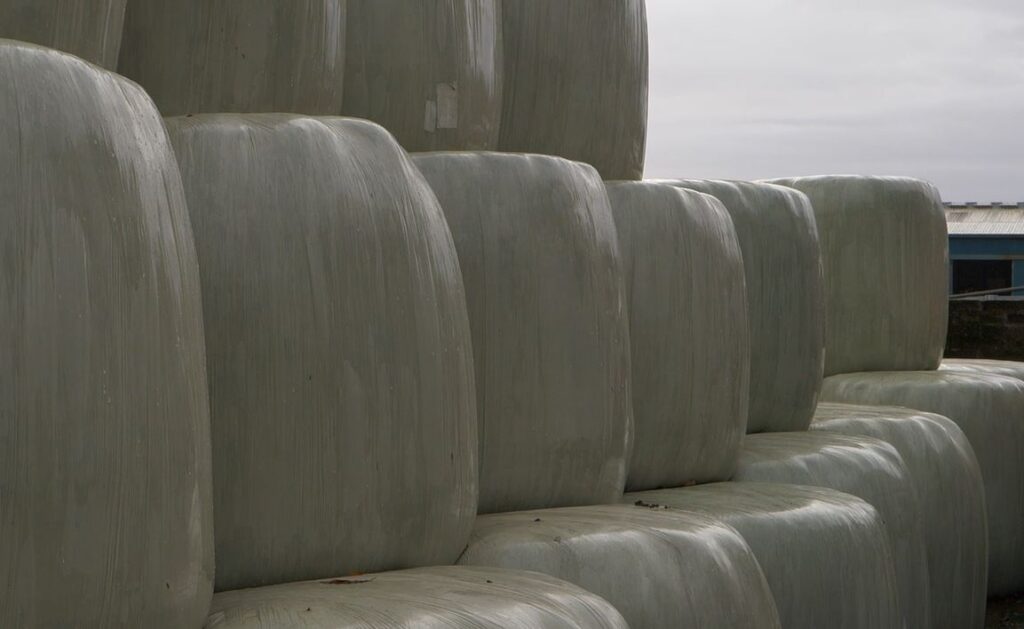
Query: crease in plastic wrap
(576, 82)
(690, 349)
(338, 348)
(423, 598)
(429, 71)
(543, 277)
(990, 411)
(884, 248)
(867, 468)
(90, 30)
(203, 56)
(948, 482)
(105, 509)
(660, 568)
(824, 554)
(782, 259)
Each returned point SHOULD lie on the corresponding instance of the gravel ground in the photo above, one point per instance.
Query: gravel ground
(1005, 613)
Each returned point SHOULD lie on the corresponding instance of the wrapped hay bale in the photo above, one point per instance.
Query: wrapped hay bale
(473, 598)
(688, 334)
(197, 56)
(90, 30)
(800, 535)
(990, 411)
(105, 514)
(861, 466)
(538, 253)
(576, 82)
(543, 273)
(948, 483)
(782, 260)
(428, 71)
(338, 349)
(659, 568)
(884, 248)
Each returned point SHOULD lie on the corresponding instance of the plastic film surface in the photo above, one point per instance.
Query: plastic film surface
(338, 349)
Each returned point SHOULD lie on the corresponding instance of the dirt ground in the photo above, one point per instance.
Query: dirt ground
(1005, 613)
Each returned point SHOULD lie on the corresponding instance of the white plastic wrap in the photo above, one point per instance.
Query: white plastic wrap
(948, 482)
(981, 366)
(884, 247)
(198, 56)
(660, 568)
(782, 259)
(990, 411)
(864, 467)
(429, 71)
(576, 82)
(90, 30)
(424, 598)
(543, 275)
(105, 513)
(338, 349)
(688, 334)
(825, 554)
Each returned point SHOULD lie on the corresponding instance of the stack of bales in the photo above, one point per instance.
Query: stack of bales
(393, 345)
(905, 458)
(884, 250)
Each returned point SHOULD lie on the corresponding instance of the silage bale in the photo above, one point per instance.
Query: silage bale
(948, 483)
(105, 514)
(338, 349)
(538, 253)
(429, 71)
(450, 597)
(576, 82)
(199, 56)
(990, 411)
(659, 568)
(825, 554)
(688, 333)
(782, 259)
(884, 249)
(90, 30)
(861, 466)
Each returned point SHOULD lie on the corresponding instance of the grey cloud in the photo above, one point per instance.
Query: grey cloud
(759, 88)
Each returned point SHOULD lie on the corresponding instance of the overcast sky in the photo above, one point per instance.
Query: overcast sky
(761, 88)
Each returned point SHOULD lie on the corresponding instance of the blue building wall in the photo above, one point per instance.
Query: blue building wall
(990, 248)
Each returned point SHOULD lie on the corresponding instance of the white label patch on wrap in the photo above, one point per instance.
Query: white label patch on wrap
(447, 105)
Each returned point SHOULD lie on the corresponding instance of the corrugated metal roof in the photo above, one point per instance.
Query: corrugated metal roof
(985, 221)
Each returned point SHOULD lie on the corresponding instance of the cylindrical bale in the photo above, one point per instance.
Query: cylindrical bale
(688, 332)
(576, 82)
(884, 251)
(945, 474)
(210, 56)
(864, 467)
(340, 367)
(825, 554)
(544, 286)
(105, 512)
(90, 30)
(659, 567)
(429, 71)
(449, 597)
(782, 260)
(990, 411)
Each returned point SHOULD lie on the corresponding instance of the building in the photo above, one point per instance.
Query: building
(986, 246)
